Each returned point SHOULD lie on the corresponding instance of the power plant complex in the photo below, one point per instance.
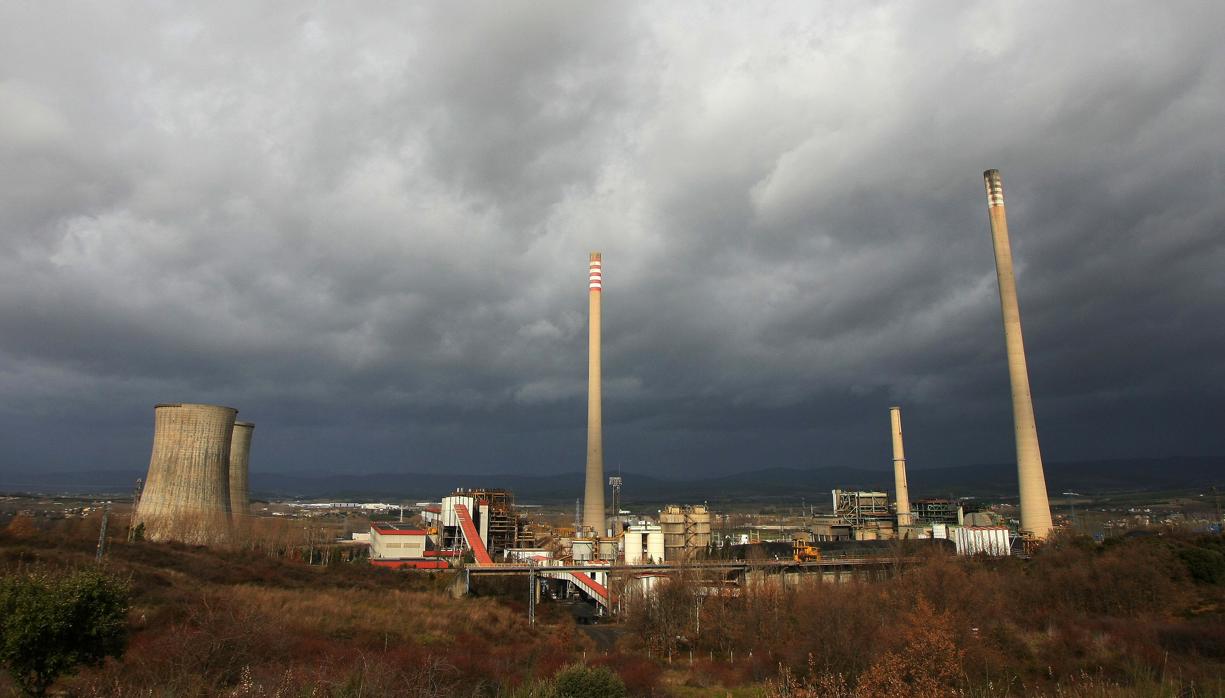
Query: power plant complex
(197, 474)
(197, 489)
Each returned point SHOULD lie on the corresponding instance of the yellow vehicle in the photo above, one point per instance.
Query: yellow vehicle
(803, 552)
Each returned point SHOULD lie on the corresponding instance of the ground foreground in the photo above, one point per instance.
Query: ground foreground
(1143, 617)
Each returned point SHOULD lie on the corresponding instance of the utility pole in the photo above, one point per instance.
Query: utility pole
(1220, 523)
(106, 515)
(140, 487)
(531, 593)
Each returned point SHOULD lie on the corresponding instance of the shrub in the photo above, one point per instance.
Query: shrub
(639, 674)
(927, 665)
(50, 626)
(1205, 566)
(578, 681)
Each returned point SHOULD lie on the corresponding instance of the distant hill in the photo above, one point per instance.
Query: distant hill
(789, 484)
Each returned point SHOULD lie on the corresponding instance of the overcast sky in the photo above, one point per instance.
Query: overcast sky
(366, 226)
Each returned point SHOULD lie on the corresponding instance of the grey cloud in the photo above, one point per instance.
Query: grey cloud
(368, 230)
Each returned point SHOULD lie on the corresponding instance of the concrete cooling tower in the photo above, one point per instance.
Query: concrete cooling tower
(187, 491)
(240, 456)
(1035, 508)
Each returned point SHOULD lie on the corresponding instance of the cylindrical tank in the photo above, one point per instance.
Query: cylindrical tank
(698, 527)
(655, 544)
(672, 525)
(187, 491)
(240, 456)
(633, 545)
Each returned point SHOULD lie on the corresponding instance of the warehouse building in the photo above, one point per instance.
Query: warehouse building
(403, 546)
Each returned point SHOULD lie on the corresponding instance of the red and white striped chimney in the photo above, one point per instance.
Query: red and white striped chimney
(593, 500)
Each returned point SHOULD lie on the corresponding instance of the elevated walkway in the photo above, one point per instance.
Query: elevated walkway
(586, 583)
(471, 536)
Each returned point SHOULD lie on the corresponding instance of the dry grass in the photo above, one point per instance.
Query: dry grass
(1129, 619)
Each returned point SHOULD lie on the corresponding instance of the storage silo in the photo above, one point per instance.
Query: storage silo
(655, 543)
(632, 540)
(240, 457)
(187, 491)
(672, 529)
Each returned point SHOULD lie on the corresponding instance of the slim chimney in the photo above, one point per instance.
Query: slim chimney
(899, 469)
(593, 498)
(1035, 509)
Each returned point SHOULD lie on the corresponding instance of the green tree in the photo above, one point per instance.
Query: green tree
(578, 681)
(50, 625)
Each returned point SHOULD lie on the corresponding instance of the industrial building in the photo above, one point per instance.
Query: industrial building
(402, 546)
(859, 508)
(492, 512)
(392, 541)
(995, 541)
(939, 511)
(869, 516)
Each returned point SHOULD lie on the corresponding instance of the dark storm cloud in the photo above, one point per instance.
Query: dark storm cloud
(367, 230)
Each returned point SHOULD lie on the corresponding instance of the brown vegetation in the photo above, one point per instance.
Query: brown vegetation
(1134, 617)
(1129, 618)
(243, 623)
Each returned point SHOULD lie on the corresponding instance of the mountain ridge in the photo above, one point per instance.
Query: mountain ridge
(994, 480)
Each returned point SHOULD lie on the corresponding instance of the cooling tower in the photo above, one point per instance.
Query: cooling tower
(899, 469)
(187, 492)
(240, 456)
(593, 496)
(1035, 509)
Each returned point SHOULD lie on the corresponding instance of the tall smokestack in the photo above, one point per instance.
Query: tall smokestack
(899, 469)
(593, 498)
(1035, 509)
